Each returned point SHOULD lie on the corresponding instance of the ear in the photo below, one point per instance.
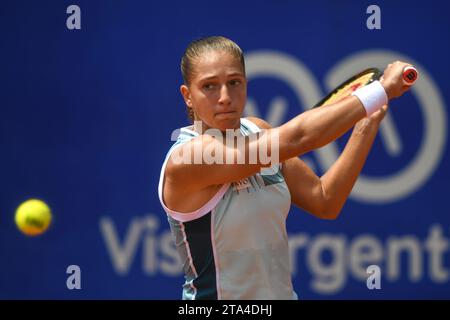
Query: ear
(186, 93)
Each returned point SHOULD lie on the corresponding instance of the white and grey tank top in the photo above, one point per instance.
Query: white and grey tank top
(236, 245)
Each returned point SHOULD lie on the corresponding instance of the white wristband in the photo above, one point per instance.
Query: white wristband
(373, 97)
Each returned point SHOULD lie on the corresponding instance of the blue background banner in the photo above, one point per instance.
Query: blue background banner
(87, 117)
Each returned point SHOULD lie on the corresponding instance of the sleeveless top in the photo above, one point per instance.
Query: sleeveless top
(236, 245)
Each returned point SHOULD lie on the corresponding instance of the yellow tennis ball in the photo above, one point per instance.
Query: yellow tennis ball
(33, 217)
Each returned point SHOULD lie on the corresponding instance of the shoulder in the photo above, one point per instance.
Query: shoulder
(259, 122)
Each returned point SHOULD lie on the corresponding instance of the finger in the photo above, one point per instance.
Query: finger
(405, 88)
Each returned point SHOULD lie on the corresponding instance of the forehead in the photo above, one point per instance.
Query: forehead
(215, 63)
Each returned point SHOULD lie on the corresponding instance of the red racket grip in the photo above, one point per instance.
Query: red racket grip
(410, 75)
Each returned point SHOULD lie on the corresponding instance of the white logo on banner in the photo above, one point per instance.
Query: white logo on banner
(370, 189)
(350, 257)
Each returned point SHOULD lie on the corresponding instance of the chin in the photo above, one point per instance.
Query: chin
(232, 123)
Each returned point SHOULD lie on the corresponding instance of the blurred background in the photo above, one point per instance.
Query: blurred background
(87, 117)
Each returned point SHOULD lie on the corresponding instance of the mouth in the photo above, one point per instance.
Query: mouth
(225, 113)
(230, 115)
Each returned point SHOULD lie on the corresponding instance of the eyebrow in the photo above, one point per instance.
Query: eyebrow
(234, 74)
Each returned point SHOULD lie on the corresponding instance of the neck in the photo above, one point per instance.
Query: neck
(201, 127)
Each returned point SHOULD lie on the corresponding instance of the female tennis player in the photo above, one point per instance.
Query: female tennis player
(228, 218)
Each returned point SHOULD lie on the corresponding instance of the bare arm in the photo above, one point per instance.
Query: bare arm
(307, 131)
(324, 197)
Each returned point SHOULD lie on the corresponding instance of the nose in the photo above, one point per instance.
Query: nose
(224, 98)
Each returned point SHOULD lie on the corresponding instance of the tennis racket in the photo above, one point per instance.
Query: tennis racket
(362, 79)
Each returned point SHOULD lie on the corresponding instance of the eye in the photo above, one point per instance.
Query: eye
(235, 82)
(209, 86)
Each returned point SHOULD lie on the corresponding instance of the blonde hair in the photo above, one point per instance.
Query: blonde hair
(197, 48)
